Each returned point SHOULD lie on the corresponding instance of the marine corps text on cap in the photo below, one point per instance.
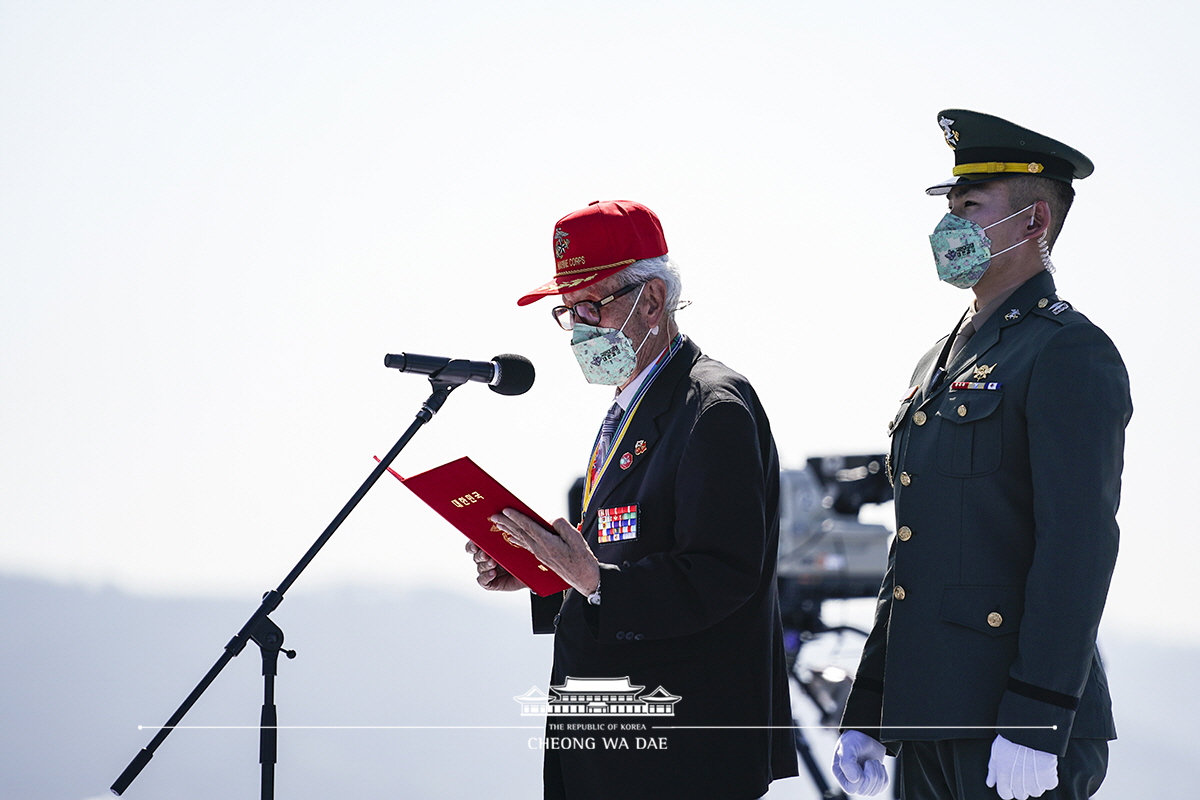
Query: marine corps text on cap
(598, 241)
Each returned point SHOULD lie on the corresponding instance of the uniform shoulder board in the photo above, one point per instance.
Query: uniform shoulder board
(1054, 308)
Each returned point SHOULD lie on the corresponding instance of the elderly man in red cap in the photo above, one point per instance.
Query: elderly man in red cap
(672, 565)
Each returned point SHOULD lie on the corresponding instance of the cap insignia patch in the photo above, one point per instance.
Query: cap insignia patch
(951, 135)
(561, 242)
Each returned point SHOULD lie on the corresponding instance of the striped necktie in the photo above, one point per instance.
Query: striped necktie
(611, 420)
(965, 331)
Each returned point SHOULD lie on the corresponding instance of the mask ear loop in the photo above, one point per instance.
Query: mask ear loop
(1006, 219)
(1010, 216)
(654, 330)
(633, 307)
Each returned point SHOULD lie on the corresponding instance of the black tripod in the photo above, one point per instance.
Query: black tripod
(265, 633)
(802, 624)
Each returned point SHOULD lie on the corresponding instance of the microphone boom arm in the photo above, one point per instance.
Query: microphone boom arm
(450, 377)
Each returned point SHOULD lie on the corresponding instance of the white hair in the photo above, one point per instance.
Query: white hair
(662, 267)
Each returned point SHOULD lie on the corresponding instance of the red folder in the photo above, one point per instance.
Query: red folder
(466, 496)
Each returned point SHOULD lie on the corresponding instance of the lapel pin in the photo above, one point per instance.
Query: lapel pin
(1013, 314)
(626, 460)
(640, 447)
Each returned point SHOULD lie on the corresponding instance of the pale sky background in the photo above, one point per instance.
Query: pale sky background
(216, 218)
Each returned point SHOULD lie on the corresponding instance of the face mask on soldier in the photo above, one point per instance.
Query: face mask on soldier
(962, 251)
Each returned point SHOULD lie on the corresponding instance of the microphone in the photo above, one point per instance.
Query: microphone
(505, 374)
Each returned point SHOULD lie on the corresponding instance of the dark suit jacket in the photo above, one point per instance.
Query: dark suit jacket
(690, 604)
(1007, 478)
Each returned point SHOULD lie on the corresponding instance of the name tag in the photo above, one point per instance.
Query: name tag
(618, 524)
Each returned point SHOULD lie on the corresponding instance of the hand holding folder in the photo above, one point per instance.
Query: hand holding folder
(467, 497)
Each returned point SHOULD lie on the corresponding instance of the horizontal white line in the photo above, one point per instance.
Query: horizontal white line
(342, 727)
(836, 727)
(542, 727)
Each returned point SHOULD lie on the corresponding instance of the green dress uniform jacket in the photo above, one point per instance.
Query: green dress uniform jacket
(689, 605)
(1007, 477)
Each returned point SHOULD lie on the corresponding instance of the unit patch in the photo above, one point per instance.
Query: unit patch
(618, 524)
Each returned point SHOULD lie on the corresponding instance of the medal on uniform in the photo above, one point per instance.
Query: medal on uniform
(618, 524)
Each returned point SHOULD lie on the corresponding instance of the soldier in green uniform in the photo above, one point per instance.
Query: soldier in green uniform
(981, 672)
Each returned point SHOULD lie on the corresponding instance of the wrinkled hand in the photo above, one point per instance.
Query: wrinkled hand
(1019, 772)
(491, 575)
(858, 764)
(563, 550)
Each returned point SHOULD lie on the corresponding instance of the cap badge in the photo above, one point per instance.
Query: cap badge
(561, 242)
(951, 135)
(982, 371)
(1013, 314)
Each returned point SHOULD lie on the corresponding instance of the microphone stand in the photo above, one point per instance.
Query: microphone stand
(265, 633)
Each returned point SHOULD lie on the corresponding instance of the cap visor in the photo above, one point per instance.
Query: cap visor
(569, 283)
(945, 186)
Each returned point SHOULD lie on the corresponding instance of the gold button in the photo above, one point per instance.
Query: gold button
(898, 592)
(919, 418)
(905, 478)
(962, 411)
(904, 534)
(1043, 303)
(995, 620)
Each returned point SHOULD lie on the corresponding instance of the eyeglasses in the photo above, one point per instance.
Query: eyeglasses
(587, 311)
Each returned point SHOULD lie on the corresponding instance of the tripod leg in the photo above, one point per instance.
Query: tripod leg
(814, 771)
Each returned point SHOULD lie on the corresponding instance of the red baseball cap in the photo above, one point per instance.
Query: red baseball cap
(597, 241)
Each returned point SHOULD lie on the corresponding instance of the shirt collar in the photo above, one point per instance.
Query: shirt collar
(625, 396)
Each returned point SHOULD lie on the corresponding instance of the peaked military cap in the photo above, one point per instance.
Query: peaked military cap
(988, 148)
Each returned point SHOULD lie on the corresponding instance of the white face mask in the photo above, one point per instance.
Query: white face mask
(962, 251)
(606, 355)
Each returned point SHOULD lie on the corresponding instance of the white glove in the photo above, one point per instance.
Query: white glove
(1019, 772)
(858, 764)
